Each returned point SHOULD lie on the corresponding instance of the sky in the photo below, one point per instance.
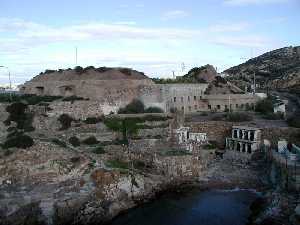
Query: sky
(156, 37)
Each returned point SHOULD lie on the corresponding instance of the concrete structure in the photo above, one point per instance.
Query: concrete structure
(112, 88)
(244, 139)
(189, 140)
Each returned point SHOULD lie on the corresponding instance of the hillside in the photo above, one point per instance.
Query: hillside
(90, 73)
(277, 70)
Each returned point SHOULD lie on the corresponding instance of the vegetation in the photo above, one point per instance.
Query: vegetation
(175, 152)
(78, 69)
(118, 164)
(264, 106)
(238, 117)
(274, 116)
(294, 121)
(18, 113)
(92, 140)
(93, 120)
(29, 99)
(138, 107)
(154, 110)
(74, 98)
(99, 150)
(59, 142)
(65, 121)
(18, 140)
(126, 71)
(74, 141)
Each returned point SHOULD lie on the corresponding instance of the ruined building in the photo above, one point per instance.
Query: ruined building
(112, 88)
(244, 139)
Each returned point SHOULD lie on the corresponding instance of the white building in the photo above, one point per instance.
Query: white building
(188, 139)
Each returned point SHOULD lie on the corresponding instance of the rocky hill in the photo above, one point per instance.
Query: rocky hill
(277, 70)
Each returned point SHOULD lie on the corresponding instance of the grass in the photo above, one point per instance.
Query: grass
(175, 152)
(99, 150)
(117, 164)
(59, 142)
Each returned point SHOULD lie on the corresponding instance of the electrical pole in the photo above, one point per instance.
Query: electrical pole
(173, 74)
(76, 55)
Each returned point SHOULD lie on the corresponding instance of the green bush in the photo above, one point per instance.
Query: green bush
(18, 140)
(93, 120)
(74, 141)
(59, 142)
(294, 121)
(264, 106)
(28, 98)
(154, 110)
(79, 69)
(65, 121)
(73, 98)
(118, 164)
(99, 150)
(238, 117)
(134, 107)
(92, 140)
(274, 116)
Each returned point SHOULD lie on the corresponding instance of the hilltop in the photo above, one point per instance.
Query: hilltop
(276, 70)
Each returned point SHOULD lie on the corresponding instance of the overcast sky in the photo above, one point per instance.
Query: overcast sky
(152, 36)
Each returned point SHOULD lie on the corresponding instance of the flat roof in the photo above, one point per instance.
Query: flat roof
(245, 128)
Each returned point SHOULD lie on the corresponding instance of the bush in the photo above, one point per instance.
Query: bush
(136, 106)
(125, 71)
(264, 106)
(117, 164)
(154, 110)
(238, 117)
(92, 140)
(99, 150)
(274, 116)
(74, 141)
(93, 120)
(73, 98)
(59, 142)
(79, 69)
(65, 121)
(18, 140)
(294, 121)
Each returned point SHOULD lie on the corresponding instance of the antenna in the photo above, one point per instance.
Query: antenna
(182, 67)
(173, 74)
(76, 57)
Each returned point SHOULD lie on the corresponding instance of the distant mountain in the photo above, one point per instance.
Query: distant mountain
(277, 70)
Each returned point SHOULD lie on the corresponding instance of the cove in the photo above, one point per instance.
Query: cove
(213, 207)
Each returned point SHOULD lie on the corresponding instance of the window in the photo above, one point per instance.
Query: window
(195, 106)
(181, 99)
(218, 107)
(174, 99)
(200, 97)
(242, 106)
(195, 98)
(226, 106)
(237, 105)
(182, 108)
(188, 98)
(209, 106)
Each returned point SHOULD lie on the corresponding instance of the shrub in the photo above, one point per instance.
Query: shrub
(59, 142)
(126, 71)
(134, 107)
(238, 117)
(78, 69)
(73, 98)
(74, 141)
(65, 121)
(99, 150)
(92, 140)
(294, 121)
(93, 120)
(274, 116)
(18, 140)
(117, 164)
(264, 106)
(154, 110)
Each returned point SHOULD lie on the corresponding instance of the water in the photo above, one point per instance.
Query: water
(215, 207)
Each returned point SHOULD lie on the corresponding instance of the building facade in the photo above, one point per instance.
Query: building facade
(244, 139)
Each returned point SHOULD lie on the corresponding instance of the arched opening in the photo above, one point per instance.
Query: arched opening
(249, 148)
(240, 134)
(235, 134)
(238, 147)
(244, 148)
(40, 90)
(252, 135)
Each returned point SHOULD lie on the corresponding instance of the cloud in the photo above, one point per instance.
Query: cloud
(230, 27)
(174, 14)
(252, 2)
(251, 41)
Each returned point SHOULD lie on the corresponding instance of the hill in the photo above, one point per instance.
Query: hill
(275, 70)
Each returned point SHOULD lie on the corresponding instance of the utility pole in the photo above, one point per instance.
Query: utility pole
(173, 74)
(10, 96)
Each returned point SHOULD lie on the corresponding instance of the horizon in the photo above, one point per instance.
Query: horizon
(151, 37)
